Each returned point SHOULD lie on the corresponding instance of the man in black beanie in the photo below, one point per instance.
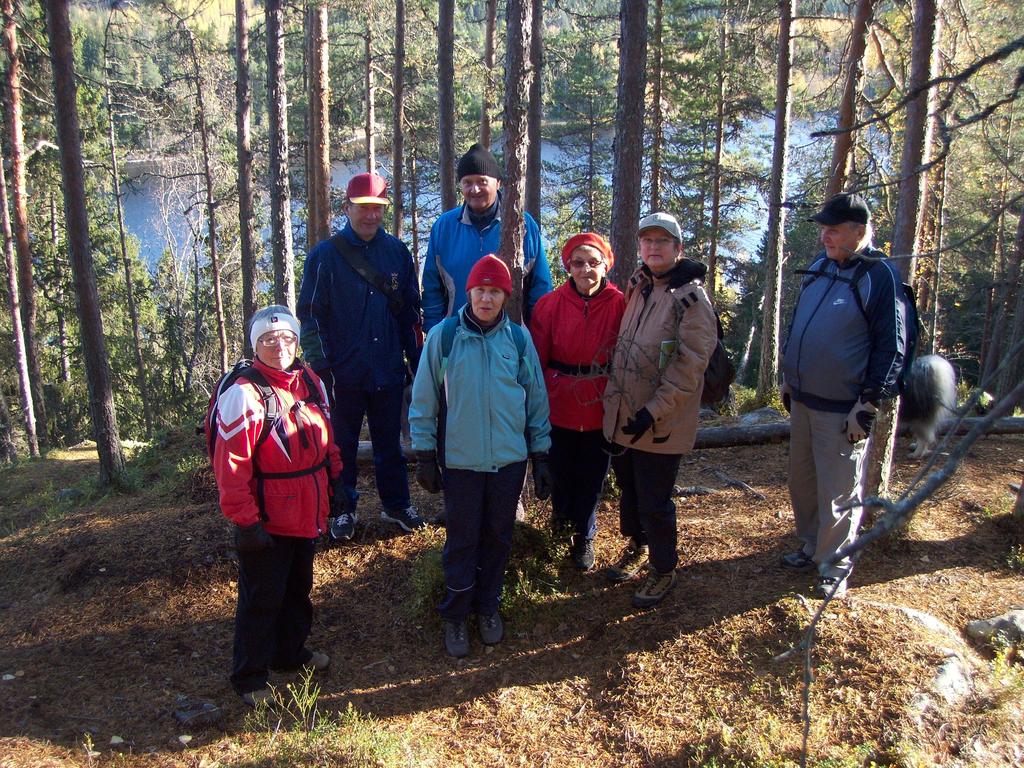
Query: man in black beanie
(461, 236)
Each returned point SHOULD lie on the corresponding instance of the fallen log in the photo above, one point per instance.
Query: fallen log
(759, 434)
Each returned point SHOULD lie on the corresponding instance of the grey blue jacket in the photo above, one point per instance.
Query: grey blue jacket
(346, 323)
(834, 353)
(497, 405)
(455, 245)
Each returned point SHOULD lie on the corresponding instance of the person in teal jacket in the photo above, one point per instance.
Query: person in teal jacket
(479, 410)
(461, 236)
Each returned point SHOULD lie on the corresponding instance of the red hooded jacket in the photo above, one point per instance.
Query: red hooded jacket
(302, 438)
(569, 331)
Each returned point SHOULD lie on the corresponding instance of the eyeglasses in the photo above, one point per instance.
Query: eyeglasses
(592, 263)
(276, 339)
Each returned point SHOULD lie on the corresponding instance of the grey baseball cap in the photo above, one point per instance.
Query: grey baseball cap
(665, 221)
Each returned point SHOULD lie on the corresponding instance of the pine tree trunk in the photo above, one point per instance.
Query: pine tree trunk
(767, 376)
(58, 278)
(940, 225)
(319, 134)
(907, 223)
(588, 225)
(657, 120)
(629, 138)
(8, 451)
(414, 210)
(716, 173)
(19, 202)
(490, 22)
(842, 149)
(517, 92)
(211, 203)
(20, 356)
(988, 358)
(243, 150)
(280, 194)
(535, 112)
(446, 102)
(371, 103)
(97, 366)
(398, 128)
(133, 312)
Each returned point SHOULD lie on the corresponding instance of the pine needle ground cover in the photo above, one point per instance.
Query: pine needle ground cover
(117, 608)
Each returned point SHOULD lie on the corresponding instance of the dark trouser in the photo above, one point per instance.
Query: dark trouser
(480, 513)
(274, 613)
(579, 463)
(383, 410)
(647, 513)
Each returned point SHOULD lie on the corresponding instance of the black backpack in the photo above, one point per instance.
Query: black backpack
(720, 373)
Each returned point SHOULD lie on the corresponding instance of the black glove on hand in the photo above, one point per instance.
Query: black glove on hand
(860, 420)
(339, 499)
(638, 425)
(543, 481)
(428, 472)
(252, 538)
(786, 396)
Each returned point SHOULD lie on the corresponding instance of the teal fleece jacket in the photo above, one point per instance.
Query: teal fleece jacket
(497, 405)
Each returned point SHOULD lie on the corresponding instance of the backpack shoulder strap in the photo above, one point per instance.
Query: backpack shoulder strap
(448, 328)
(519, 334)
(271, 406)
(368, 272)
(314, 396)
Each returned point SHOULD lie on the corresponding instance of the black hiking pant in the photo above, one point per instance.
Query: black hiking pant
(647, 513)
(274, 613)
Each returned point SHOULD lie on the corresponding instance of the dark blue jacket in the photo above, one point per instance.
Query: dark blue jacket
(346, 323)
(834, 353)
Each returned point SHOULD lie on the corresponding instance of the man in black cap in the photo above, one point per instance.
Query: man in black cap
(843, 356)
(462, 236)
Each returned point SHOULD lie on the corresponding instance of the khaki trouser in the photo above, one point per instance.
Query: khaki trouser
(825, 474)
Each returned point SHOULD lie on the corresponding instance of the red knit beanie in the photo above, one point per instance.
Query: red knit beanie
(490, 271)
(591, 239)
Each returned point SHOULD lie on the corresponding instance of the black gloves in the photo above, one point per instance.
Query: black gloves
(638, 424)
(252, 538)
(860, 420)
(786, 396)
(339, 499)
(428, 472)
(543, 482)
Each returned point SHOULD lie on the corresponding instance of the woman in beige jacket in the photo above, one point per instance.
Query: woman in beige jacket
(652, 401)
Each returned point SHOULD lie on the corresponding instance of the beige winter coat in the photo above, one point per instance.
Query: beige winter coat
(665, 341)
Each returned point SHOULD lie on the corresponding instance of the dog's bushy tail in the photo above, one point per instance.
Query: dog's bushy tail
(929, 391)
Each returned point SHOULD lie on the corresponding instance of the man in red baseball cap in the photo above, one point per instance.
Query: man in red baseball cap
(359, 307)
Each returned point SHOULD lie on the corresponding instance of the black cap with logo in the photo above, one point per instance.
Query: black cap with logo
(842, 208)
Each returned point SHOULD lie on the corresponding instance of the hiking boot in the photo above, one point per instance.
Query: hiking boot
(456, 638)
(407, 519)
(317, 661)
(343, 527)
(831, 586)
(259, 696)
(492, 630)
(798, 561)
(583, 553)
(632, 559)
(654, 589)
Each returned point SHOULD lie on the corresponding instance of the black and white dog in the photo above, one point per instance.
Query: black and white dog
(928, 398)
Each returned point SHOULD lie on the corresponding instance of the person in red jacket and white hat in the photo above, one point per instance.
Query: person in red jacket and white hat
(574, 329)
(276, 492)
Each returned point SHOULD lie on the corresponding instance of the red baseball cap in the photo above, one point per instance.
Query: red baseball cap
(490, 271)
(367, 188)
(592, 239)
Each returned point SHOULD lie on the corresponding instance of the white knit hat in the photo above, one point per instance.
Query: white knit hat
(272, 318)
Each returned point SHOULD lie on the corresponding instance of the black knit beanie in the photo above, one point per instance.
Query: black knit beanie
(478, 161)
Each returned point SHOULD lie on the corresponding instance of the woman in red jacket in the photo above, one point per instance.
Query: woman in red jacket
(574, 329)
(274, 485)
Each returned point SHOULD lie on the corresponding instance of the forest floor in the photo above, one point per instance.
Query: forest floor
(115, 608)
